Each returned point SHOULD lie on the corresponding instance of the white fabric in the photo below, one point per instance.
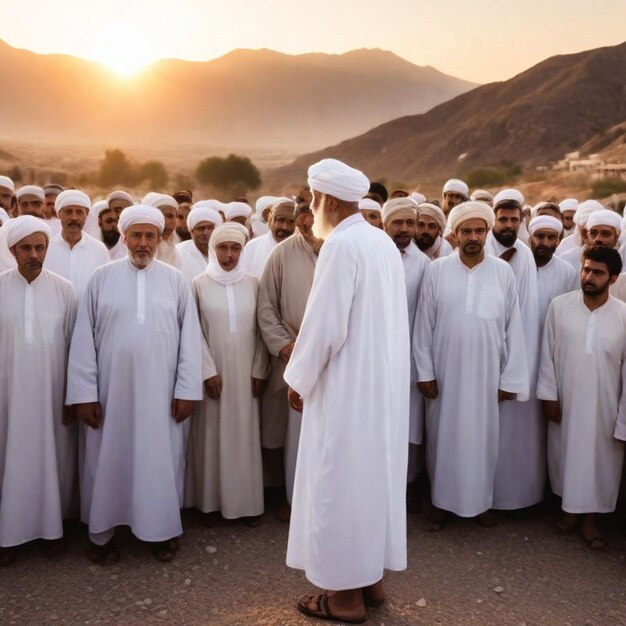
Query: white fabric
(439, 249)
(605, 217)
(569, 204)
(92, 227)
(393, 206)
(468, 211)
(259, 227)
(7, 183)
(256, 253)
(193, 262)
(134, 362)
(367, 204)
(72, 197)
(482, 195)
(167, 252)
(4, 216)
(332, 177)
(417, 197)
(36, 460)
(434, 212)
(237, 209)
(508, 194)
(118, 194)
(25, 226)
(354, 430)
(140, 214)
(31, 190)
(457, 186)
(160, 199)
(583, 365)
(545, 221)
(470, 339)
(76, 264)
(118, 251)
(203, 214)
(263, 203)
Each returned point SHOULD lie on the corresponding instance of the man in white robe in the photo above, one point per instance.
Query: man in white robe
(258, 219)
(470, 355)
(134, 372)
(453, 193)
(354, 429)
(7, 194)
(431, 222)
(579, 237)
(582, 381)
(283, 293)
(568, 207)
(107, 219)
(371, 211)
(520, 473)
(167, 251)
(36, 320)
(51, 191)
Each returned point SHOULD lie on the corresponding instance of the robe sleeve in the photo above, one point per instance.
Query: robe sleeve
(424, 329)
(325, 325)
(209, 369)
(70, 316)
(261, 362)
(620, 427)
(188, 384)
(547, 388)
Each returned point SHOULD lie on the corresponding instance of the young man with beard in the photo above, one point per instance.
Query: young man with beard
(582, 381)
(431, 222)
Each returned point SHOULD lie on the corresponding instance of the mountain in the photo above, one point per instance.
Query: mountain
(248, 98)
(531, 119)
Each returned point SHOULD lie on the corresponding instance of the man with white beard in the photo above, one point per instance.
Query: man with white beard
(431, 222)
(582, 381)
(134, 372)
(470, 355)
(354, 430)
(36, 320)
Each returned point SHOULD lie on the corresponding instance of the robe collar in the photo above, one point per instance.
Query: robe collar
(349, 221)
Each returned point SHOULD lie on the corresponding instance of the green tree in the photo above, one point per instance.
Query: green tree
(232, 172)
(155, 173)
(116, 169)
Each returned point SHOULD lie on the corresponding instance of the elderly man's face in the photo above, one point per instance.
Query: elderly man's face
(451, 199)
(30, 204)
(201, 234)
(401, 227)
(6, 197)
(72, 219)
(142, 241)
(228, 253)
(282, 223)
(602, 235)
(30, 254)
(426, 232)
(471, 236)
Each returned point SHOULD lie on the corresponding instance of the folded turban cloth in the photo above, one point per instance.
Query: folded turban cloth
(216, 205)
(4, 216)
(120, 195)
(468, 211)
(264, 202)
(229, 231)
(52, 189)
(31, 190)
(481, 194)
(418, 197)
(367, 204)
(545, 221)
(140, 214)
(395, 205)
(432, 210)
(508, 195)
(72, 197)
(569, 204)
(7, 183)
(100, 206)
(605, 217)
(24, 226)
(457, 186)
(237, 209)
(585, 209)
(202, 214)
(157, 200)
(336, 179)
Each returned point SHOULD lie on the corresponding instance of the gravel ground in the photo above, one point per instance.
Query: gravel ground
(518, 573)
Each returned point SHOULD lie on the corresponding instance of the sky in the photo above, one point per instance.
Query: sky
(478, 40)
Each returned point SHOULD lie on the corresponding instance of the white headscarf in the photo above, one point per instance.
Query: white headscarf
(119, 194)
(31, 190)
(7, 183)
(4, 216)
(332, 177)
(605, 217)
(202, 214)
(229, 231)
(157, 200)
(140, 214)
(457, 186)
(470, 210)
(394, 205)
(24, 226)
(237, 209)
(71, 197)
(508, 195)
(545, 221)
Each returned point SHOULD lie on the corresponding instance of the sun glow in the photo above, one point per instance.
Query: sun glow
(124, 50)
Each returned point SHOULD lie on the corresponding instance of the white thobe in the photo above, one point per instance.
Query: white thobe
(470, 339)
(354, 429)
(259, 227)
(168, 253)
(618, 288)
(193, 262)
(118, 251)
(36, 322)
(256, 253)
(521, 471)
(136, 347)
(76, 264)
(7, 260)
(439, 249)
(224, 467)
(569, 243)
(583, 365)
(553, 279)
(54, 223)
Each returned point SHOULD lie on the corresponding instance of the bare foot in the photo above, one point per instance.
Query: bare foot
(373, 595)
(344, 606)
(591, 533)
(566, 524)
(487, 519)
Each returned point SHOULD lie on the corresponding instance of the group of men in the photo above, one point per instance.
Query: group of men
(471, 339)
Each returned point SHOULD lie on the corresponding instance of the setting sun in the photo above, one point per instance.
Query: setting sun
(124, 50)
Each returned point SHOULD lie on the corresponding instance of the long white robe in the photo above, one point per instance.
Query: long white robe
(192, 261)
(76, 264)
(469, 338)
(348, 519)
(136, 347)
(257, 251)
(224, 467)
(583, 365)
(167, 252)
(36, 322)
(569, 243)
(7, 260)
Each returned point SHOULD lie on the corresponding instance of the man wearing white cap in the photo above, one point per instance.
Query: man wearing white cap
(568, 207)
(30, 201)
(166, 251)
(108, 218)
(7, 194)
(371, 211)
(118, 200)
(239, 212)
(194, 254)
(51, 191)
(578, 240)
(36, 321)
(354, 429)
(582, 381)
(72, 253)
(258, 220)
(134, 372)
(470, 355)
(431, 222)
(481, 195)
(454, 192)
(283, 293)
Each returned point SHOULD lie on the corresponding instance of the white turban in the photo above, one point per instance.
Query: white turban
(31, 190)
(140, 214)
(506, 195)
(237, 209)
(432, 210)
(72, 197)
(605, 217)
(100, 206)
(120, 195)
(545, 221)
(91, 226)
(24, 226)
(418, 197)
(367, 204)
(4, 216)
(569, 204)
(230, 231)
(216, 205)
(7, 183)
(456, 186)
(336, 179)
(585, 209)
(481, 194)
(469, 211)
(395, 205)
(157, 200)
(202, 214)
(264, 202)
